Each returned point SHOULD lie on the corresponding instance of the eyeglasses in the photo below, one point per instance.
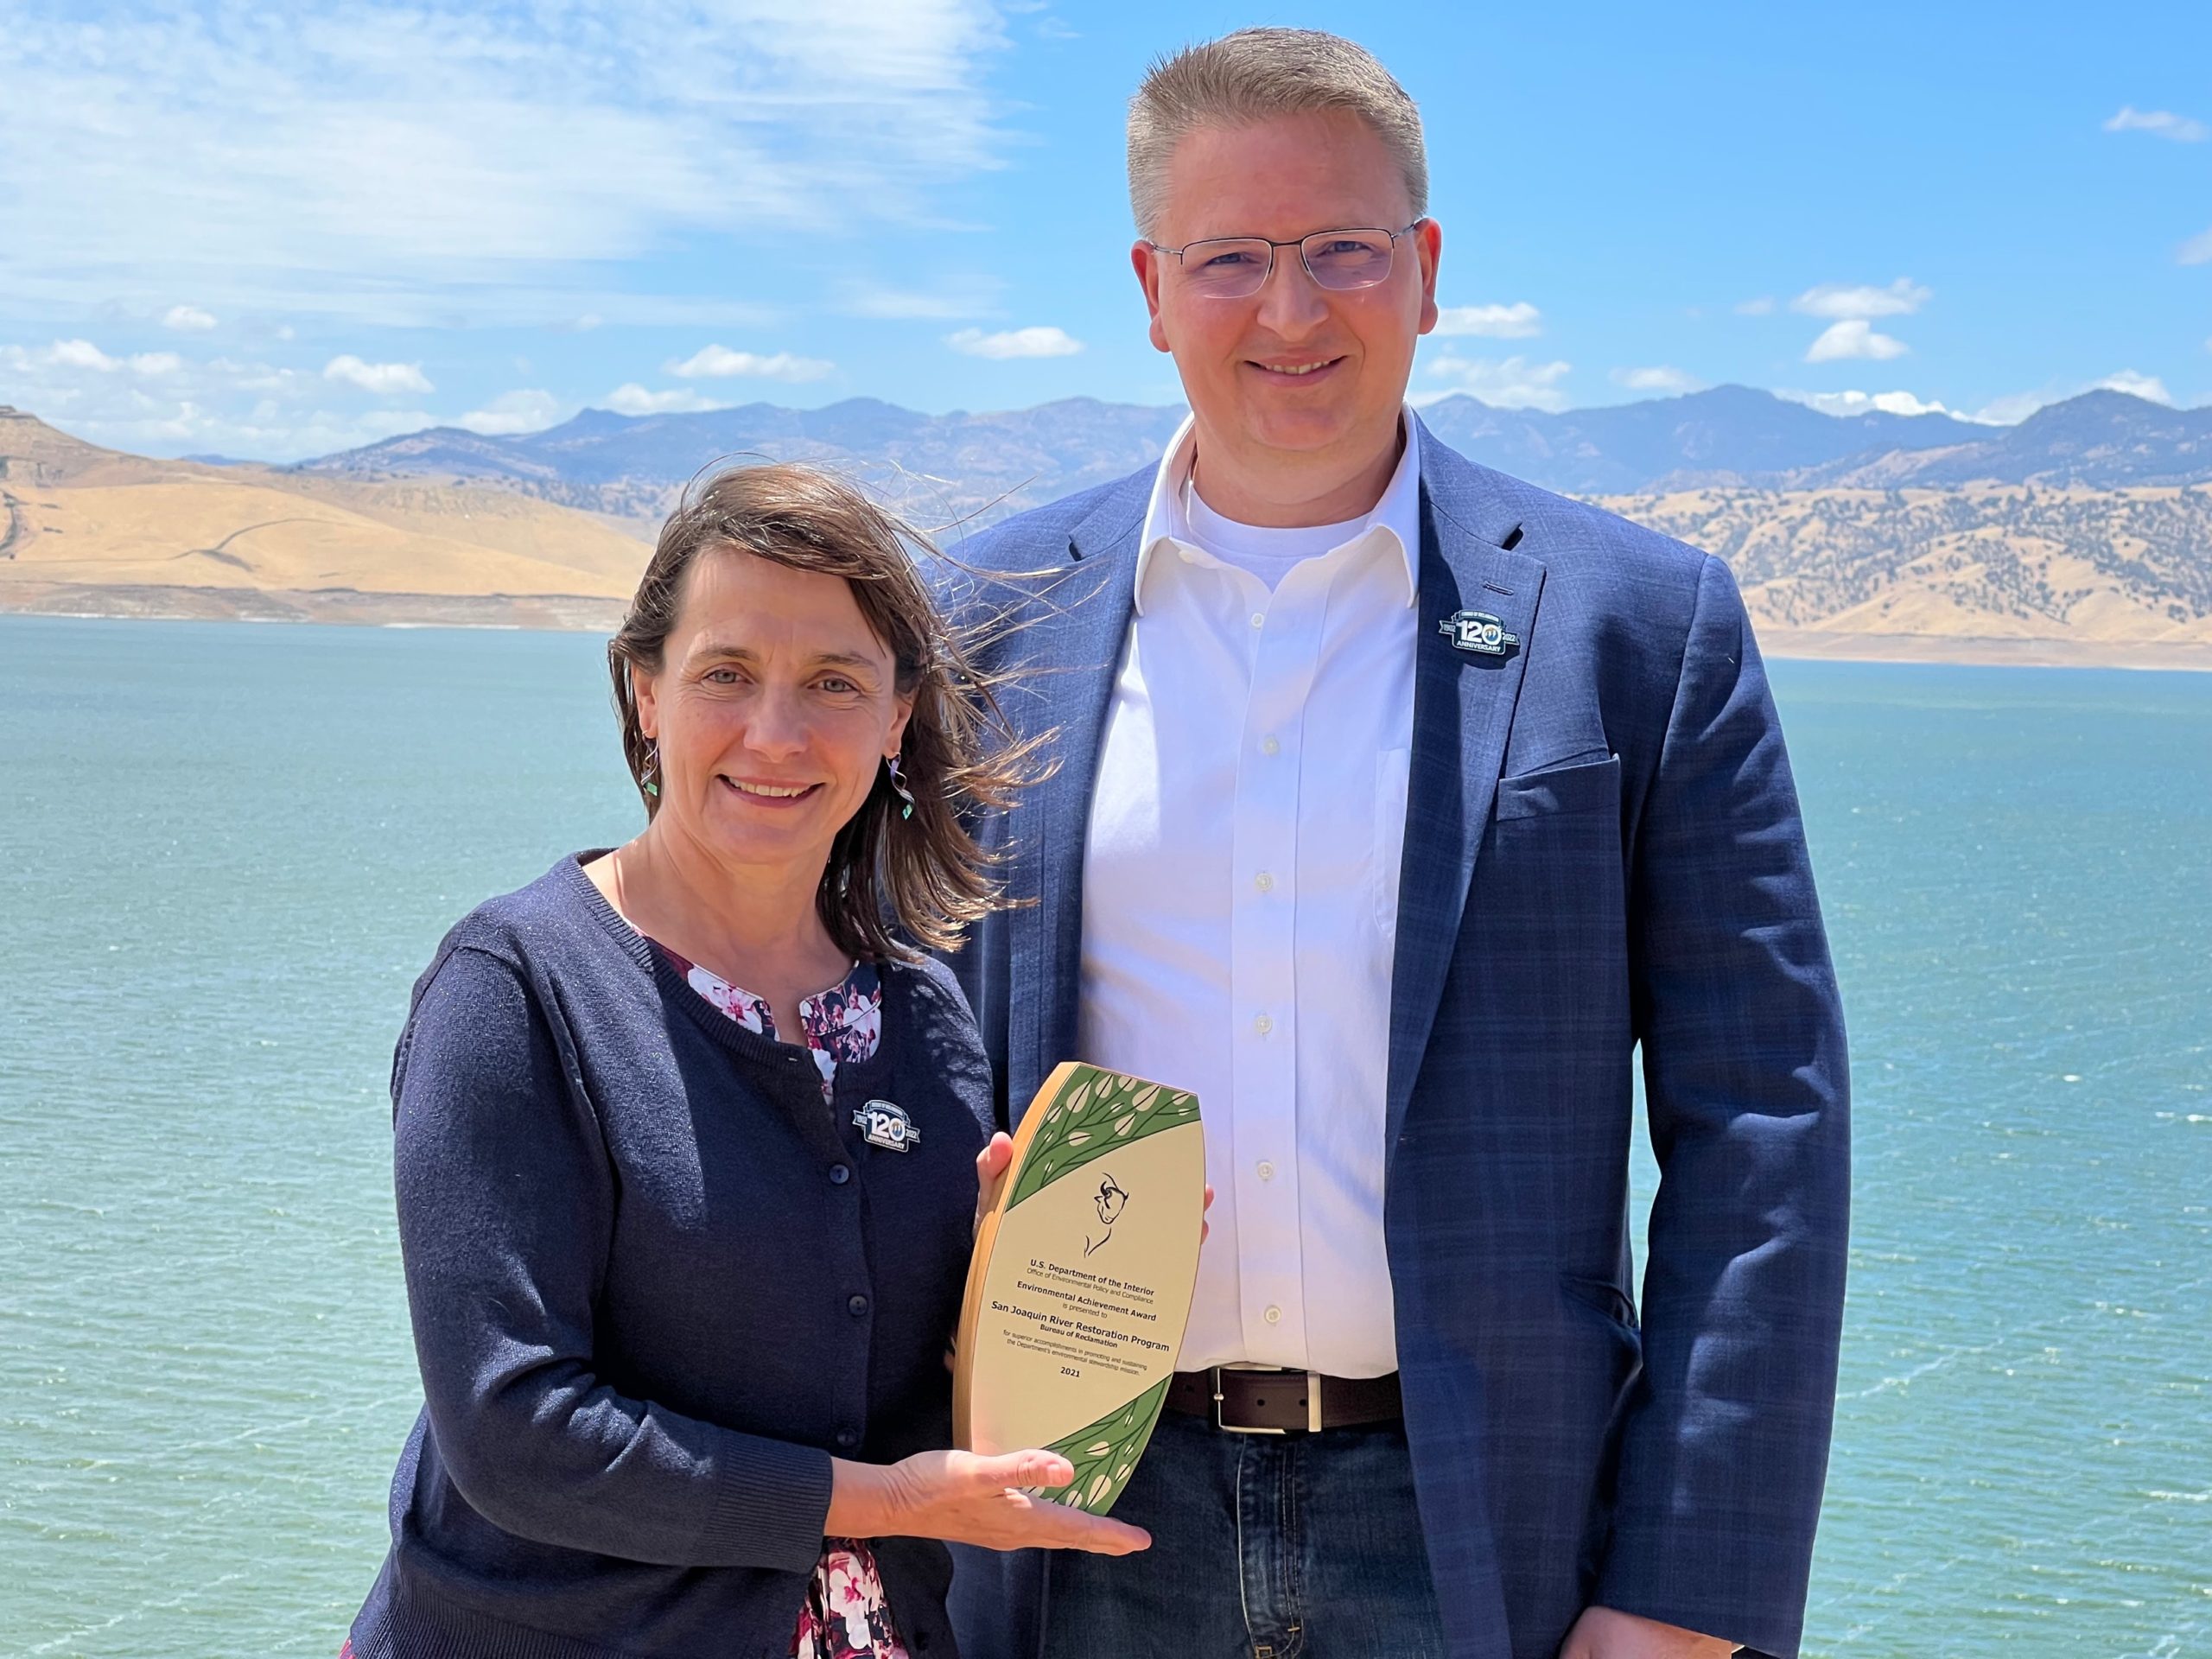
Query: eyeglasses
(1237, 267)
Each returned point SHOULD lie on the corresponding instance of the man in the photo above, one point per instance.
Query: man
(1398, 802)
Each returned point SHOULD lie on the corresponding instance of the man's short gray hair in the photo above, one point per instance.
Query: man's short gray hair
(1255, 75)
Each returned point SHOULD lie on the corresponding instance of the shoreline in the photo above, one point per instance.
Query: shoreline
(348, 607)
(1981, 651)
(592, 614)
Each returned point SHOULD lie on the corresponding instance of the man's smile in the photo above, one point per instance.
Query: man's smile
(1294, 368)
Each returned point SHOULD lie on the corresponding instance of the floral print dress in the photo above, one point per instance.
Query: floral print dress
(845, 1615)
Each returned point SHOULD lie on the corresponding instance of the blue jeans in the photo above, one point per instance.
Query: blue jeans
(1263, 1547)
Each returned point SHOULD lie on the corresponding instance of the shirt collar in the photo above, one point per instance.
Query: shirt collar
(1397, 512)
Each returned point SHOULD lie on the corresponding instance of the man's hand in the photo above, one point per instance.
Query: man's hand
(991, 1166)
(1601, 1633)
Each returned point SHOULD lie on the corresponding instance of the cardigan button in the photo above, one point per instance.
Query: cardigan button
(858, 1305)
(839, 1174)
(848, 1439)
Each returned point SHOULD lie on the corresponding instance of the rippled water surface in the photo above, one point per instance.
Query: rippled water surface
(226, 851)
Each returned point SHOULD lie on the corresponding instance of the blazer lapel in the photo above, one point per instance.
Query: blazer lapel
(1080, 624)
(1462, 712)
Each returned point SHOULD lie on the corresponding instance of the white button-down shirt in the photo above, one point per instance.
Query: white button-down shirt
(1240, 897)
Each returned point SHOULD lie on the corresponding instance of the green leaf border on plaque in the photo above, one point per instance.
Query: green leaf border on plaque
(1098, 1112)
(1105, 1454)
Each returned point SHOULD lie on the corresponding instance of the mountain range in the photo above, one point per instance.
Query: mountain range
(962, 467)
(2083, 534)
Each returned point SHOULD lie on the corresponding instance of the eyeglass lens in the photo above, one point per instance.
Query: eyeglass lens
(1233, 268)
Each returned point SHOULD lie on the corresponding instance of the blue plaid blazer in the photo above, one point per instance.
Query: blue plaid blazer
(1603, 854)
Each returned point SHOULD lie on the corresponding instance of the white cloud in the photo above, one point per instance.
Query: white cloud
(2015, 407)
(1862, 402)
(510, 412)
(159, 403)
(2138, 385)
(1761, 307)
(382, 379)
(188, 320)
(2165, 122)
(2198, 250)
(1014, 342)
(1900, 299)
(1520, 320)
(83, 354)
(971, 296)
(1854, 338)
(2012, 409)
(1661, 379)
(408, 160)
(720, 363)
(1512, 383)
(634, 400)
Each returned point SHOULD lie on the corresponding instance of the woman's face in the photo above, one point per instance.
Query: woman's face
(774, 709)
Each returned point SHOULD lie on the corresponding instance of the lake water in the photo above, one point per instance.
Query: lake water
(227, 850)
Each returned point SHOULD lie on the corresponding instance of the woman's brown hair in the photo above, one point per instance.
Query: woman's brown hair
(890, 883)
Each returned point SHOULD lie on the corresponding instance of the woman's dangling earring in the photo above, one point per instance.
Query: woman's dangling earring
(649, 774)
(899, 786)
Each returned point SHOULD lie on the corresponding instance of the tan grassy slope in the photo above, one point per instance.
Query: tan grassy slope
(75, 519)
(1990, 562)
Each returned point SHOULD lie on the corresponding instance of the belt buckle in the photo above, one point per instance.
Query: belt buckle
(1313, 1406)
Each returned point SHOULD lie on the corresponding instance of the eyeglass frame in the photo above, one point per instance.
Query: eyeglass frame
(1300, 244)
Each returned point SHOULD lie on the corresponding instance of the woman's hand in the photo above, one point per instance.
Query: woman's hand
(964, 1497)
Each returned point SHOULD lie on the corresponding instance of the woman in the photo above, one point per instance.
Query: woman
(688, 1145)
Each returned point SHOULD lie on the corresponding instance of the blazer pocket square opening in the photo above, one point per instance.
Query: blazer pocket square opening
(1584, 787)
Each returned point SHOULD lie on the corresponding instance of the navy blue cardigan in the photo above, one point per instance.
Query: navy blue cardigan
(656, 1284)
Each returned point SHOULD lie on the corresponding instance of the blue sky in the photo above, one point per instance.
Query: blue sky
(222, 229)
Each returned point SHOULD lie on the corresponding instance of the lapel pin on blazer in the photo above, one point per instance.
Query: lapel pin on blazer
(1478, 631)
(885, 1125)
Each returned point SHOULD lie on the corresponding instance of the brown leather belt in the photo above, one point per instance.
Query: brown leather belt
(1284, 1403)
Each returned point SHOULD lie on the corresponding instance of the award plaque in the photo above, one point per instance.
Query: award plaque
(1082, 1279)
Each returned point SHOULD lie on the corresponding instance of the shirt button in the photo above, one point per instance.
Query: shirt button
(1263, 1025)
(1270, 746)
(859, 1306)
(1274, 1315)
(1258, 621)
(1264, 882)
(839, 1174)
(1266, 1170)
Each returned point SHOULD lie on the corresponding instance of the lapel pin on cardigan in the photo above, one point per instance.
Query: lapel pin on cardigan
(887, 1126)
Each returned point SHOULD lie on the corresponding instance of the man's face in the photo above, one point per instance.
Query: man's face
(1296, 371)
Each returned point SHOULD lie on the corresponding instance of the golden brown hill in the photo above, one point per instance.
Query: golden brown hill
(85, 530)
(1984, 571)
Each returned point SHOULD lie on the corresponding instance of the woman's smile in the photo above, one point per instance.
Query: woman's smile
(761, 792)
